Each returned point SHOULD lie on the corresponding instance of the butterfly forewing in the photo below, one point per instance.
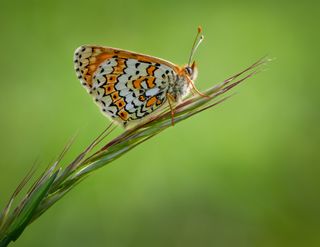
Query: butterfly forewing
(127, 86)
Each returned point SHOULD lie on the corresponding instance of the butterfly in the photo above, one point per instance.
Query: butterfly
(130, 87)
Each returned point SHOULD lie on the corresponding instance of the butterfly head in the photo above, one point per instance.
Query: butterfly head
(191, 71)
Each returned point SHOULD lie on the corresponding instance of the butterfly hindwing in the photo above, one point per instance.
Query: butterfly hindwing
(127, 86)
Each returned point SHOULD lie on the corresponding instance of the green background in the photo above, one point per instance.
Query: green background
(245, 173)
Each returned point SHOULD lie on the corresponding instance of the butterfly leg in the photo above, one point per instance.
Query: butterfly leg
(195, 89)
(170, 100)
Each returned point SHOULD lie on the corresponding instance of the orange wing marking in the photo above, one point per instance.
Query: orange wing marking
(123, 114)
(151, 101)
(115, 96)
(109, 88)
(120, 103)
(111, 79)
(142, 98)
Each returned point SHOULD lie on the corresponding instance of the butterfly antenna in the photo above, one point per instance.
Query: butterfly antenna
(197, 41)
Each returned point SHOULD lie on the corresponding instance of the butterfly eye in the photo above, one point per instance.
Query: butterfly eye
(188, 70)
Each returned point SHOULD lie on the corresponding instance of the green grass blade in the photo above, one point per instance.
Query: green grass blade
(22, 220)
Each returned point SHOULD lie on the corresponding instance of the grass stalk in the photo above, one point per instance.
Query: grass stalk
(57, 180)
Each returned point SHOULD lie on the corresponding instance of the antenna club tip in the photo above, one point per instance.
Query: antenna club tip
(199, 29)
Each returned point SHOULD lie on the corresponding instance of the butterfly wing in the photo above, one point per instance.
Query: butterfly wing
(127, 86)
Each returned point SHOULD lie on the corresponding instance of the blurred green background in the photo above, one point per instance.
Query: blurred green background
(243, 174)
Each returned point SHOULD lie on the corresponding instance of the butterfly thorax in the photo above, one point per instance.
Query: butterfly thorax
(182, 86)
